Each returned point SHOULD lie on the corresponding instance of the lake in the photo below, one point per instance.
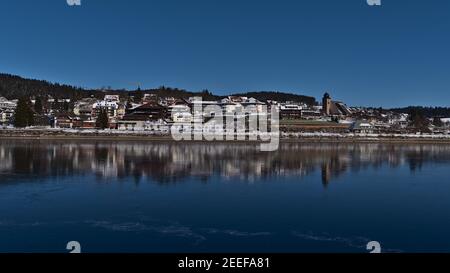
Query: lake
(158, 197)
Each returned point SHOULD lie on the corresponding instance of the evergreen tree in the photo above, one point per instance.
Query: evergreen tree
(438, 122)
(38, 105)
(66, 106)
(418, 120)
(23, 115)
(56, 105)
(103, 120)
(138, 95)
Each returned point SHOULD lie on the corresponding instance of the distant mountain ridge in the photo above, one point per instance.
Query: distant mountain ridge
(13, 87)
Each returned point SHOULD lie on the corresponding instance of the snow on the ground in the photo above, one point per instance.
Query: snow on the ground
(282, 134)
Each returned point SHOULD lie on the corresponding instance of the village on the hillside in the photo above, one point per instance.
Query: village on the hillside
(155, 114)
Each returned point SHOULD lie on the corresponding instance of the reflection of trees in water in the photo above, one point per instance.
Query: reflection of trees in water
(172, 162)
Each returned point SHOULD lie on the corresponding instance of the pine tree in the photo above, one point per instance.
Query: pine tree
(66, 106)
(23, 116)
(38, 105)
(138, 95)
(103, 120)
(438, 122)
(418, 120)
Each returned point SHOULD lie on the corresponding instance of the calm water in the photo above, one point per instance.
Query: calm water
(143, 197)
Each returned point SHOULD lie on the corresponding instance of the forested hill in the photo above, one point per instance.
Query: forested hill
(429, 112)
(13, 87)
(279, 96)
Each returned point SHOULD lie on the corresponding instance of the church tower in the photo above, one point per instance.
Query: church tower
(326, 104)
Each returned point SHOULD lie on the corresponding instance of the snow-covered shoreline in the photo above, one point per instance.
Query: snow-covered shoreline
(49, 133)
(365, 136)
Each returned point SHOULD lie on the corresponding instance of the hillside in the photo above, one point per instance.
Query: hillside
(429, 112)
(13, 87)
(279, 96)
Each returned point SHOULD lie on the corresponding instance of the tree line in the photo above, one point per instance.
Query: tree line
(14, 87)
(429, 112)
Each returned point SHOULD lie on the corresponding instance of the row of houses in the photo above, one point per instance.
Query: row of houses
(126, 114)
(151, 112)
(159, 113)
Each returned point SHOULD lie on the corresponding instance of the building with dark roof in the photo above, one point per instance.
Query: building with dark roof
(147, 112)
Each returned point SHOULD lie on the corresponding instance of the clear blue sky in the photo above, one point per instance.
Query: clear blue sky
(394, 55)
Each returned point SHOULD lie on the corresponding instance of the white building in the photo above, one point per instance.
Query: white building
(7, 104)
(180, 113)
(110, 106)
(112, 98)
(7, 109)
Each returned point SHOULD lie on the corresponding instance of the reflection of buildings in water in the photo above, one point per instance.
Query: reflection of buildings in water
(5, 159)
(326, 175)
(171, 162)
